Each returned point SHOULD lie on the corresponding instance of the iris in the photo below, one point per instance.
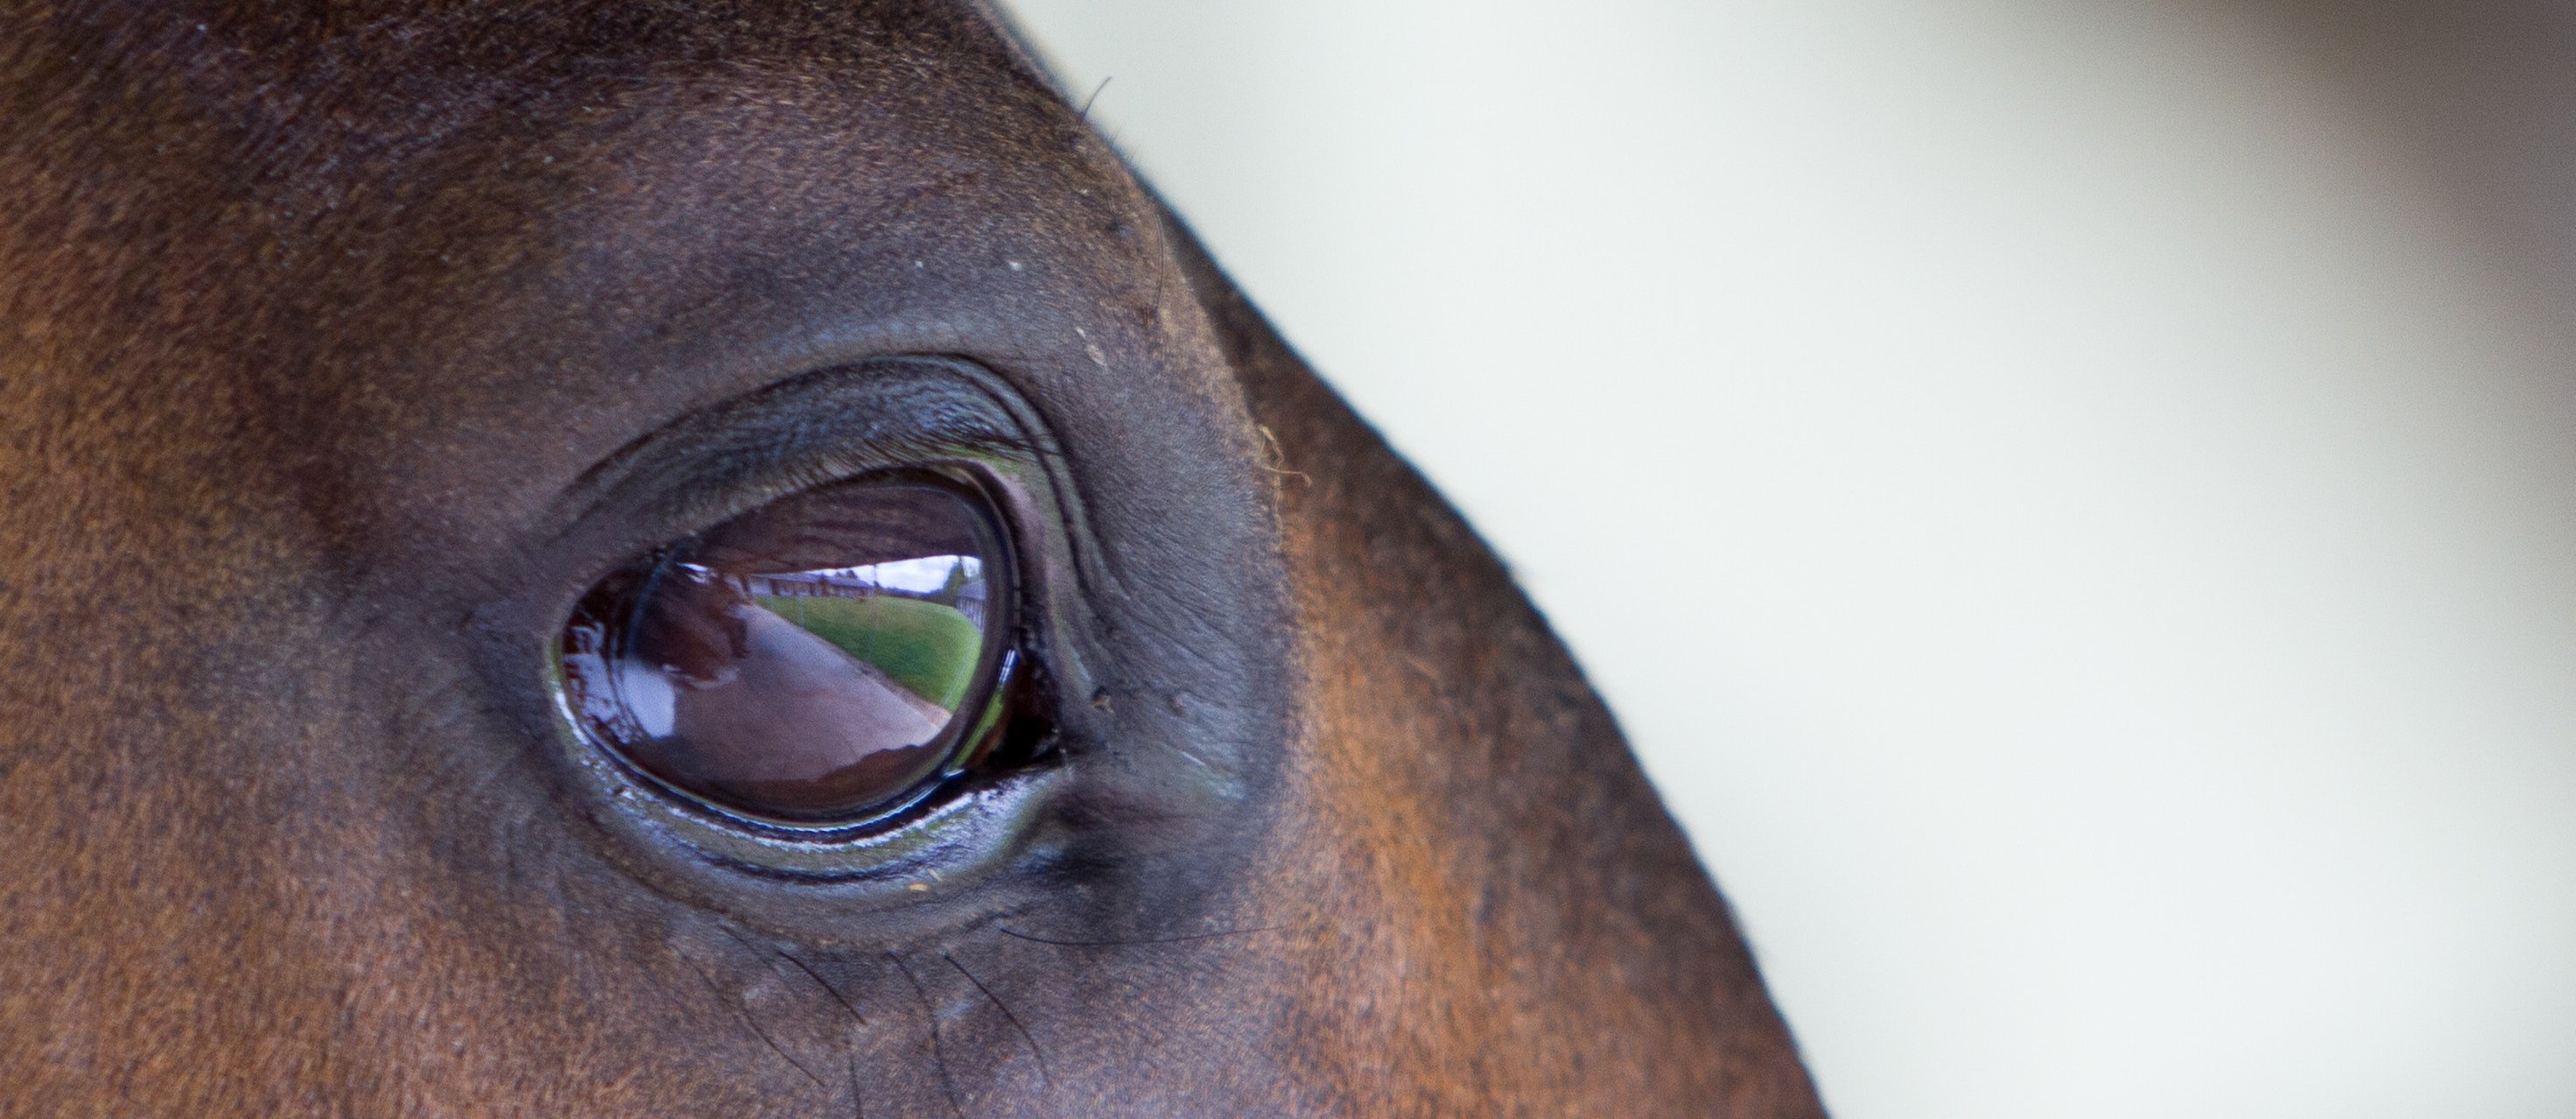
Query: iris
(825, 659)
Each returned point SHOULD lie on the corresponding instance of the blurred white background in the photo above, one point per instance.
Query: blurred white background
(2075, 503)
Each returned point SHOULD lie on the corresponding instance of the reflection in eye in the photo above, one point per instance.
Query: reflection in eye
(819, 659)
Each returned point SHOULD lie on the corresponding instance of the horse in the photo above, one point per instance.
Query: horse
(417, 414)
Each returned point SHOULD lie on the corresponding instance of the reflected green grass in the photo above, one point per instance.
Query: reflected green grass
(930, 649)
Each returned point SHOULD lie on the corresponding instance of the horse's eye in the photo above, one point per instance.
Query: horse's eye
(826, 659)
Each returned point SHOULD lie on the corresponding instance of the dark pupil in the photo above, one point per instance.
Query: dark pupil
(807, 661)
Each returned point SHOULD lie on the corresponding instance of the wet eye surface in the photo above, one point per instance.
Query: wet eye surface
(829, 659)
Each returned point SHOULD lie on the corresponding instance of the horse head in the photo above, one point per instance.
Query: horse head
(726, 557)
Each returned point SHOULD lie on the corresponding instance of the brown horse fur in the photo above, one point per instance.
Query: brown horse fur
(316, 318)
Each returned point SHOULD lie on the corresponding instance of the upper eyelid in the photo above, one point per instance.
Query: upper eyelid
(814, 428)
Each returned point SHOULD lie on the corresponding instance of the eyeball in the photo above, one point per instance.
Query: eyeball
(826, 660)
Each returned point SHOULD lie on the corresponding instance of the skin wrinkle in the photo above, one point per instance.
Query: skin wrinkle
(307, 317)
